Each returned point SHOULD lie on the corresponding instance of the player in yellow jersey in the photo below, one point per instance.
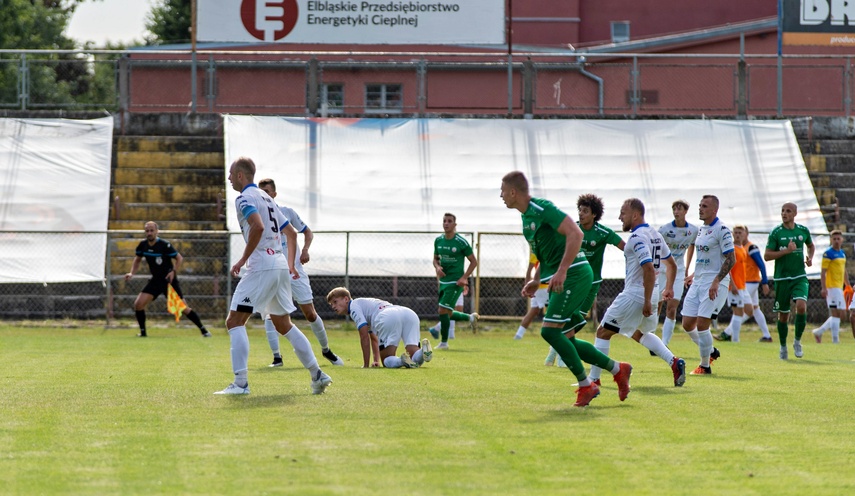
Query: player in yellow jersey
(832, 277)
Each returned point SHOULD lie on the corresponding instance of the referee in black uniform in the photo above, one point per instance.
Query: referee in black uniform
(159, 254)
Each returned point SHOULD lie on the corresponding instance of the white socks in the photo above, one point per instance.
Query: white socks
(320, 333)
(835, 329)
(240, 354)
(735, 325)
(602, 345)
(272, 337)
(693, 334)
(652, 342)
(393, 362)
(705, 343)
(302, 349)
(825, 326)
(668, 330)
(761, 321)
(520, 332)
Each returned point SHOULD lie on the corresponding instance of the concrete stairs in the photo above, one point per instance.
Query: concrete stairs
(177, 182)
(831, 167)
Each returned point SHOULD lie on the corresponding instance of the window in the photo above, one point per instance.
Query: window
(384, 98)
(332, 98)
(620, 31)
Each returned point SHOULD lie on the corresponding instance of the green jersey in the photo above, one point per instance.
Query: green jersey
(594, 245)
(540, 228)
(791, 265)
(452, 254)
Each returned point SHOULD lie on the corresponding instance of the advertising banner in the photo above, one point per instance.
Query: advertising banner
(434, 22)
(404, 174)
(819, 22)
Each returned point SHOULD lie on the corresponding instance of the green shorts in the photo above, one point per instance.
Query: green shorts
(564, 307)
(589, 300)
(788, 290)
(449, 294)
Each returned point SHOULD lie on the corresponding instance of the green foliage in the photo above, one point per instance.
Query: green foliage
(169, 22)
(54, 80)
(94, 411)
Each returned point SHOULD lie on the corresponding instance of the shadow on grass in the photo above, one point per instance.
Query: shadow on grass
(258, 400)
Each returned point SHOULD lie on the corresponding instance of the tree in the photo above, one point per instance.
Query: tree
(169, 22)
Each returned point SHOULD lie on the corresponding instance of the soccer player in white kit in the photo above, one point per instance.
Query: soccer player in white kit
(680, 236)
(632, 313)
(266, 285)
(300, 287)
(382, 326)
(714, 258)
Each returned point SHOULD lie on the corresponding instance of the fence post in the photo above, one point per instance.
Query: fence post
(313, 85)
(528, 87)
(23, 80)
(476, 300)
(421, 77)
(228, 291)
(124, 79)
(211, 86)
(510, 85)
(741, 81)
(109, 279)
(193, 81)
(847, 84)
(634, 87)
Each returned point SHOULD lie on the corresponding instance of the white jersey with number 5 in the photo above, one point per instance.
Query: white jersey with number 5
(714, 241)
(268, 254)
(645, 245)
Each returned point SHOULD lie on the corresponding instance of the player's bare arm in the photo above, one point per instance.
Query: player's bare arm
(308, 237)
(291, 236)
(473, 262)
(256, 229)
(573, 241)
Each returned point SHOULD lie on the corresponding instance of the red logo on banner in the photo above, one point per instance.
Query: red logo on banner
(268, 20)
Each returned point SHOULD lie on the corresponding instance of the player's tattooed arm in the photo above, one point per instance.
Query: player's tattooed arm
(729, 262)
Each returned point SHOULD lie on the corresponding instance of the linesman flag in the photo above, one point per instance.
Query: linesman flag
(174, 304)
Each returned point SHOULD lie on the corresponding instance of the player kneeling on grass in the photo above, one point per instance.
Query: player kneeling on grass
(382, 326)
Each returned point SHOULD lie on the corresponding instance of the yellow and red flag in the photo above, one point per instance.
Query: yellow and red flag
(174, 304)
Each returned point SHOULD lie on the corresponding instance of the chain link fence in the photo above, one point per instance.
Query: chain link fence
(395, 266)
(423, 84)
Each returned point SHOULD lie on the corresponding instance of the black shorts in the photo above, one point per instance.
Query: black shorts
(157, 287)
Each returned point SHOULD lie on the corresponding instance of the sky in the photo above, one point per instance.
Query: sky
(114, 20)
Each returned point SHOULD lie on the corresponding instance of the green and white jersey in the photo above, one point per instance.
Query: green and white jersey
(791, 265)
(594, 243)
(452, 255)
(540, 228)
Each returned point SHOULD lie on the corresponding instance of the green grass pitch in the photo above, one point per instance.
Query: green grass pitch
(86, 410)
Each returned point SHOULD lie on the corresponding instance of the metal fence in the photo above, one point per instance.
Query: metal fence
(423, 84)
(398, 268)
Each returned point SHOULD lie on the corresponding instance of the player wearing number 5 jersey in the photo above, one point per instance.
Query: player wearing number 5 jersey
(633, 312)
(266, 285)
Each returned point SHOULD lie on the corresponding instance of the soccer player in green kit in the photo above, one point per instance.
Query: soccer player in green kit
(449, 252)
(555, 240)
(786, 247)
(595, 238)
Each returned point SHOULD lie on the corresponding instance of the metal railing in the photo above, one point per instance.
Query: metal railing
(632, 85)
(338, 259)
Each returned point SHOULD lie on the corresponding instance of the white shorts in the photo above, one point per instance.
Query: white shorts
(395, 324)
(625, 316)
(698, 303)
(267, 292)
(678, 281)
(739, 299)
(541, 298)
(300, 288)
(835, 298)
(459, 301)
(753, 290)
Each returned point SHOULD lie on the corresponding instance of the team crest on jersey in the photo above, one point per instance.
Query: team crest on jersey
(801, 238)
(710, 231)
(453, 250)
(533, 226)
(593, 243)
(158, 260)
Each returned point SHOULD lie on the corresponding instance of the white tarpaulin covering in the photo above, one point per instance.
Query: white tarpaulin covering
(55, 178)
(403, 174)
